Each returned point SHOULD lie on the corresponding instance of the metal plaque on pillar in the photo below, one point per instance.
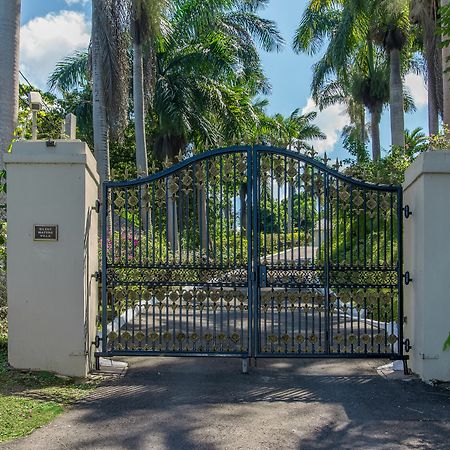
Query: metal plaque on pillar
(45, 233)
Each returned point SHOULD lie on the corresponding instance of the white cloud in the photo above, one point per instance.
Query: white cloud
(418, 90)
(46, 40)
(331, 121)
(77, 2)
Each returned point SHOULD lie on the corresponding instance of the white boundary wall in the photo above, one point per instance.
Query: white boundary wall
(52, 297)
(427, 258)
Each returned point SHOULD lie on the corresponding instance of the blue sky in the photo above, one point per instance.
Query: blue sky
(52, 29)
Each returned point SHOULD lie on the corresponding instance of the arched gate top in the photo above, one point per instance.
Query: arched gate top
(256, 149)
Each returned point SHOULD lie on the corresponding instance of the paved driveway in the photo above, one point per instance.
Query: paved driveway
(282, 404)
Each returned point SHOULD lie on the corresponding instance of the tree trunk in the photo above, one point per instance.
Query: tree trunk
(290, 207)
(375, 115)
(139, 113)
(243, 198)
(203, 224)
(9, 73)
(433, 112)
(100, 123)
(431, 43)
(172, 219)
(446, 76)
(362, 131)
(396, 100)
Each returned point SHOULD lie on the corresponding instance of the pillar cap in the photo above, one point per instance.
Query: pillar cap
(430, 162)
(64, 152)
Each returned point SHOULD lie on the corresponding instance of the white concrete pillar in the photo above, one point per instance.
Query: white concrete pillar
(427, 258)
(52, 297)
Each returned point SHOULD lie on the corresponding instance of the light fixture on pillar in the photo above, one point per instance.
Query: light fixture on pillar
(36, 104)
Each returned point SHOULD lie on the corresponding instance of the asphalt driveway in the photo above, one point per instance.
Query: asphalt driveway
(189, 403)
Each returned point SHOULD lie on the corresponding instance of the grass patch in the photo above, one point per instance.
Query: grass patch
(29, 400)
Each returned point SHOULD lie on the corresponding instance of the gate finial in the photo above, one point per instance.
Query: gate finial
(337, 165)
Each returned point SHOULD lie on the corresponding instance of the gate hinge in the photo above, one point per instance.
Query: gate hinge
(407, 345)
(407, 278)
(97, 341)
(97, 275)
(97, 206)
(407, 212)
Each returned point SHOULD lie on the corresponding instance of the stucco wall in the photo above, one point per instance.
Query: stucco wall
(51, 295)
(427, 258)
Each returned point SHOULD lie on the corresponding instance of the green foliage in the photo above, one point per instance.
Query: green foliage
(49, 120)
(444, 28)
(447, 343)
(29, 400)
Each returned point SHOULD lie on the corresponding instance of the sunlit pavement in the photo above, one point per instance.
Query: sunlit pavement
(195, 403)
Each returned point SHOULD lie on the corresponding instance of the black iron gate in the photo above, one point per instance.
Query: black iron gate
(251, 252)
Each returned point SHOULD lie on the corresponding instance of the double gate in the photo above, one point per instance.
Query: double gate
(251, 252)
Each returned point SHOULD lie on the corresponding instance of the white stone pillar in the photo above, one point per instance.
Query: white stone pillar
(52, 297)
(427, 258)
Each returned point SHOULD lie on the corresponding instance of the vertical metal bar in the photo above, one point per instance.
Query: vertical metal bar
(126, 227)
(256, 252)
(207, 209)
(326, 265)
(272, 220)
(400, 267)
(285, 217)
(313, 219)
(251, 250)
(104, 266)
(113, 242)
(221, 209)
(234, 211)
(200, 219)
(195, 209)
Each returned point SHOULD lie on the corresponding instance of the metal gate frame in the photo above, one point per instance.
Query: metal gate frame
(256, 271)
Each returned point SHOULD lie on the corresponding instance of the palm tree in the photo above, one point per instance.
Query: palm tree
(351, 27)
(109, 49)
(9, 73)
(425, 14)
(415, 142)
(391, 29)
(294, 132)
(445, 13)
(146, 24)
(352, 71)
(208, 69)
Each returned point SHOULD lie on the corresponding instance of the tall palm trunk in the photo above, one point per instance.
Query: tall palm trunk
(139, 114)
(9, 72)
(396, 100)
(202, 219)
(433, 110)
(446, 76)
(100, 122)
(243, 201)
(139, 123)
(362, 124)
(432, 53)
(375, 116)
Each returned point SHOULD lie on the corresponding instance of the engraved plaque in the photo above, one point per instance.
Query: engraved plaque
(45, 233)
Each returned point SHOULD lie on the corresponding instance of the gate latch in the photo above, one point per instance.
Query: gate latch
(408, 278)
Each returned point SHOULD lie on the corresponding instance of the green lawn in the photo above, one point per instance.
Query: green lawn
(29, 400)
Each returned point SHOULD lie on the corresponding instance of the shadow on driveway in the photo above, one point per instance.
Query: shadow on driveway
(193, 403)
